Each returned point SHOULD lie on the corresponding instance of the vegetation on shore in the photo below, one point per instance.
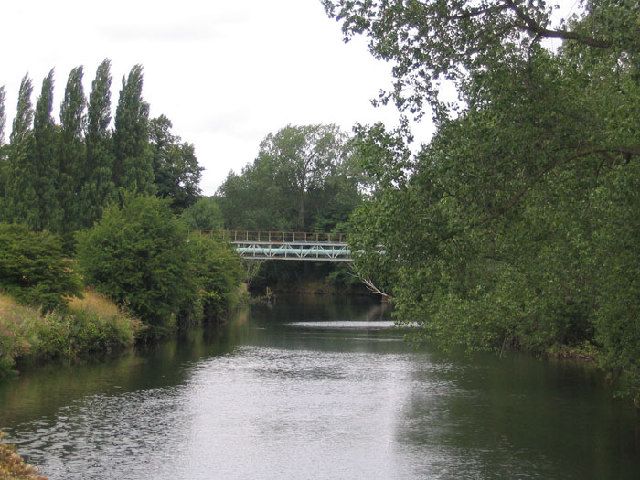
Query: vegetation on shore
(517, 225)
(89, 326)
(13, 466)
(95, 216)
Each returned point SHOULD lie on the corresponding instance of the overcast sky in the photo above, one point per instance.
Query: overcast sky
(226, 73)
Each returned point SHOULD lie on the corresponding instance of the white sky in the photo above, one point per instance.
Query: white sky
(225, 72)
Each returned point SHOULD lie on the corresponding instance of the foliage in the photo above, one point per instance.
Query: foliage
(13, 466)
(70, 151)
(132, 167)
(91, 325)
(97, 186)
(205, 215)
(21, 194)
(300, 180)
(60, 177)
(516, 227)
(33, 268)
(175, 165)
(138, 255)
(218, 272)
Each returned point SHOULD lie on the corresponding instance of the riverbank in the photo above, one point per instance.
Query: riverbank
(280, 379)
(13, 466)
(90, 325)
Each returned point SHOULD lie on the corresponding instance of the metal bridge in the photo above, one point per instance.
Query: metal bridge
(291, 246)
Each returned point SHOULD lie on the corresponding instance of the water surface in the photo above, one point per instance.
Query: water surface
(318, 389)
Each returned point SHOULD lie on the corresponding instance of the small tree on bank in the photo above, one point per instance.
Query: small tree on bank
(137, 254)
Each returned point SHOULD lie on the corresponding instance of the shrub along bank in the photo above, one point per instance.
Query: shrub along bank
(145, 276)
(88, 326)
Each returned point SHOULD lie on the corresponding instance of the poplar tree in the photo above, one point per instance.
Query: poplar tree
(3, 116)
(48, 214)
(71, 150)
(3, 159)
(20, 194)
(133, 169)
(98, 188)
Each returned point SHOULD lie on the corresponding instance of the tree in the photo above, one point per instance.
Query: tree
(48, 213)
(307, 155)
(3, 114)
(433, 42)
(21, 194)
(175, 165)
(33, 268)
(204, 215)
(512, 228)
(138, 255)
(98, 187)
(71, 151)
(4, 173)
(132, 168)
(298, 181)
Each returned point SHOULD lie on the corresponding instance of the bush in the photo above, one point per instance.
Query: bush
(91, 325)
(218, 271)
(138, 255)
(33, 268)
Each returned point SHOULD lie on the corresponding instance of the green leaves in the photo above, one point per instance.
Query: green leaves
(516, 226)
(34, 269)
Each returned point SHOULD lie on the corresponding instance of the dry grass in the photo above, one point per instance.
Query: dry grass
(13, 467)
(7, 304)
(94, 303)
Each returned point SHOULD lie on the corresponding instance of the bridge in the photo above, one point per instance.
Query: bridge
(290, 246)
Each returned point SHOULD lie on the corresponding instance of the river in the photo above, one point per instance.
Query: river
(318, 389)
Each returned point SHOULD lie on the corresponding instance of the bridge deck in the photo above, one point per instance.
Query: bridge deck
(290, 246)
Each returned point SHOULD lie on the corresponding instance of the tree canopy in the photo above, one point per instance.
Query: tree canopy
(299, 180)
(514, 227)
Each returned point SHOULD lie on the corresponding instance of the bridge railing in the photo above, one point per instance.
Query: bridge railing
(268, 236)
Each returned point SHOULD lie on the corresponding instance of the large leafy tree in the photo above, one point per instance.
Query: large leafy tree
(132, 167)
(306, 155)
(175, 166)
(299, 180)
(431, 42)
(500, 233)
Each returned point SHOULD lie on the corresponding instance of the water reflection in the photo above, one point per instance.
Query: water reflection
(285, 391)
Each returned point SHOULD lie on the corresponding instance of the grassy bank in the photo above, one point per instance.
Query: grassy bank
(90, 325)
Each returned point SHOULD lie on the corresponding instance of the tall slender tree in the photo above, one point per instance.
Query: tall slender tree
(3, 115)
(133, 169)
(3, 156)
(20, 193)
(97, 186)
(42, 155)
(71, 150)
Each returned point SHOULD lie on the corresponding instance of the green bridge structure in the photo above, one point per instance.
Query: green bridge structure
(289, 246)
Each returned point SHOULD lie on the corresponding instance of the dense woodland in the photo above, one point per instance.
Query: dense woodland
(518, 226)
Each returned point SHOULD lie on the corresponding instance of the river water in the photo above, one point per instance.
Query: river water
(318, 389)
